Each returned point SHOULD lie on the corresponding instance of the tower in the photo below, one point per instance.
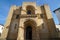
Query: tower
(29, 22)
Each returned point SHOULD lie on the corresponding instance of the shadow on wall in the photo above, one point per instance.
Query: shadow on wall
(0, 34)
(52, 29)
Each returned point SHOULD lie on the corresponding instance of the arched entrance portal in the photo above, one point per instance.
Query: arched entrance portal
(30, 29)
(28, 33)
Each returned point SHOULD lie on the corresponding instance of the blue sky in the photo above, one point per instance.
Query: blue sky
(6, 4)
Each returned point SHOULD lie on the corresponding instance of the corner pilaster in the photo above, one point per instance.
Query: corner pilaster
(7, 24)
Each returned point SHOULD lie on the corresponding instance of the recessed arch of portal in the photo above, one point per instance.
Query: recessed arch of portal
(32, 24)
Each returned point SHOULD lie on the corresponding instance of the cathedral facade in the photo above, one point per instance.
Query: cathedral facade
(29, 22)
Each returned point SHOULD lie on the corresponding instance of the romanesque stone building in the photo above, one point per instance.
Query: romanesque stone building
(29, 22)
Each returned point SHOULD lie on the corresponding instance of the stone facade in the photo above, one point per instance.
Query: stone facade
(37, 19)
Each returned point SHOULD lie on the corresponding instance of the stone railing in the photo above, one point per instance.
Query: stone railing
(31, 15)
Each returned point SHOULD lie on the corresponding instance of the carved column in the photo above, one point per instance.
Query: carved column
(20, 33)
(37, 33)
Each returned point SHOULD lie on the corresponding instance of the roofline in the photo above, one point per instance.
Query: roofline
(2, 24)
(56, 10)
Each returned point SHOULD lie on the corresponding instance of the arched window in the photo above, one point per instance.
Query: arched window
(17, 16)
(15, 26)
(30, 9)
